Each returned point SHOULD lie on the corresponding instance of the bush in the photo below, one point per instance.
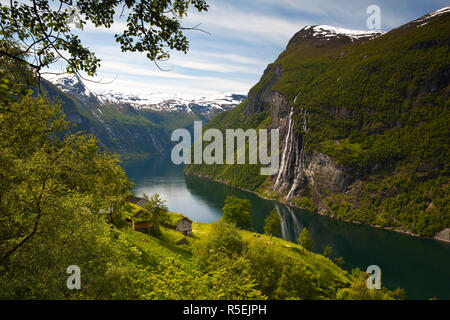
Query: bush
(224, 238)
(237, 211)
(272, 224)
(305, 203)
(305, 239)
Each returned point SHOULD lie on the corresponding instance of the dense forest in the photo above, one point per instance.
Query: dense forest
(64, 203)
(371, 113)
(63, 199)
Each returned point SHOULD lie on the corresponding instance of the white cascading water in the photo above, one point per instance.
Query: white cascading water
(291, 148)
(300, 155)
(286, 151)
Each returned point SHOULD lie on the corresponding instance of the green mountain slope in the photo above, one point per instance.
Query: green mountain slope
(118, 129)
(370, 127)
(121, 128)
(221, 262)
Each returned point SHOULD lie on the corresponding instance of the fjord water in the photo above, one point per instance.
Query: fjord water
(420, 266)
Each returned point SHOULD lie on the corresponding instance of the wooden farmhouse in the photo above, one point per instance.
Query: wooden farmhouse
(144, 227)
(184, 225)
(141, 202)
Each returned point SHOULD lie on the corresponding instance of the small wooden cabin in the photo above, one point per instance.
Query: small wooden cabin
(144, 227)
(141, 202)
(184, 225)
(141, 225)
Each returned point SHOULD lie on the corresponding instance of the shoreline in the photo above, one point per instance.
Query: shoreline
(323, 214)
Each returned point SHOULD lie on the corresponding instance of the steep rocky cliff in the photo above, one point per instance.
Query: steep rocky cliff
(363, 125)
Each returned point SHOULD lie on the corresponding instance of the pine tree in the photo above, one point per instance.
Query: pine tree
(305, 239)
(272, 224)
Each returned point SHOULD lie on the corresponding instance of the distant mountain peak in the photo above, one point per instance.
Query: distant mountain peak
(167, 102)
(204, 105)
(70, 83)
(425, 19)
(328, 32)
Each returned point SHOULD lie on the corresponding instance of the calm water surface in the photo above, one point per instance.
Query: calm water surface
(420, 266)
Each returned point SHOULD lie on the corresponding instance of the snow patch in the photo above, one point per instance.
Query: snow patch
(164, 102)
(425, 19)
(154, 101)
(326, 31)
(68, 83)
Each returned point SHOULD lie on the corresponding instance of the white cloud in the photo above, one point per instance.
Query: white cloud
(129, 78)
(203, 86)
(246, 24)
(196, 60)
(306, 6)
(229, 56)
(223, 67)
(116, 28)
(130, 69)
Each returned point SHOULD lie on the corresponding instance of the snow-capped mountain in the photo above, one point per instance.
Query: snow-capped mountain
(325, 31)
(173, 103)
(426, 18)
(69, 83)
(321, 34)
(206, 105)
(132, 125)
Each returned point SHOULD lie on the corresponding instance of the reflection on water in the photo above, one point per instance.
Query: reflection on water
(420, 266)
(291, 225)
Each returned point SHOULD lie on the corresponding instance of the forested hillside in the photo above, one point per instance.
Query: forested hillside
(363, 125)
(121, 127)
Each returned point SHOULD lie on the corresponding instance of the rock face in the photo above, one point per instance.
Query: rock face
(323, 173)
(444, 235)
(302, 172)
(358, 138)
(258, 99)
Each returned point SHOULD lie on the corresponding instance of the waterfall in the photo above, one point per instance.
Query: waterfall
(294, 146)
(286, 150)
(300, 155)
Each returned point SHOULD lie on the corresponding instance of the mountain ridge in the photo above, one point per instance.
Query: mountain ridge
(132, 131)
(73, 84)
(362, 127)
(328, 32)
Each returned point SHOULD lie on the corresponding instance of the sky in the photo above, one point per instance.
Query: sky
(243, 37)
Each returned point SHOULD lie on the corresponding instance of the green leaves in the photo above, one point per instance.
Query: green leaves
(305, 239)
(156, 212)
(59, 195)
(10, 92)
(45, 31)
(272, 223)
(237, 211)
